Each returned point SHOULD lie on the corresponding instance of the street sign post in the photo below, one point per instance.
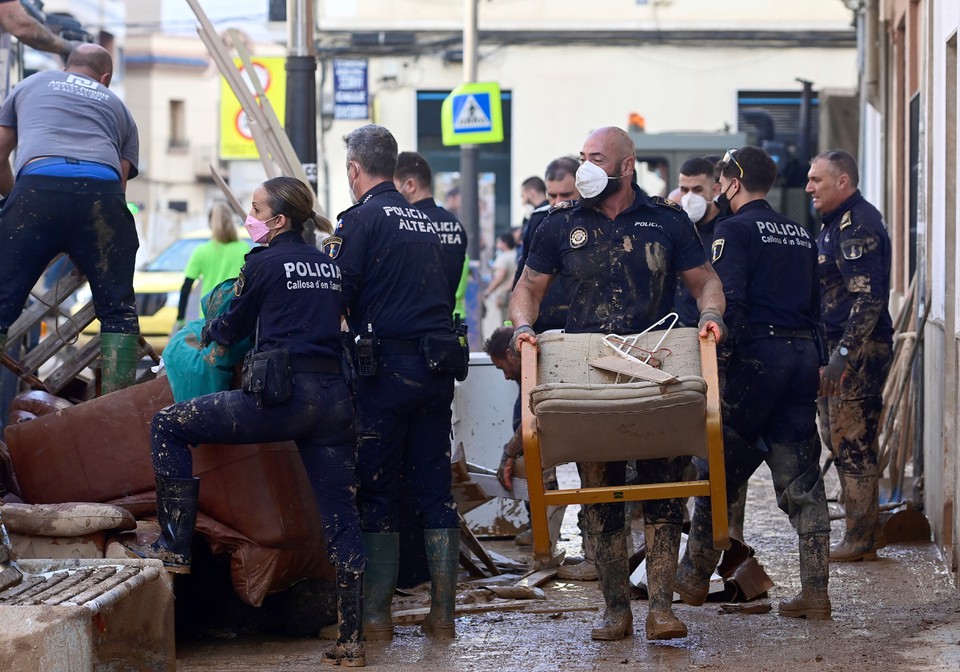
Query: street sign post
(472, 115)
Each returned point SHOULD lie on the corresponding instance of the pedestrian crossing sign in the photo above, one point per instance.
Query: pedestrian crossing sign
(472, 115)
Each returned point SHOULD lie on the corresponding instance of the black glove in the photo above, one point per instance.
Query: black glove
(713, 316)
(525, 329)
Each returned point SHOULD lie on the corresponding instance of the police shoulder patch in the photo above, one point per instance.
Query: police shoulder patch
(717, 249)
(852, 249)
(666, 202)
(561, 205)
(238, 287)
(846, 220)
(332, 245)
(578, 237)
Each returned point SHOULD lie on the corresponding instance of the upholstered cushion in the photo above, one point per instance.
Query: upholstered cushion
(583, 415)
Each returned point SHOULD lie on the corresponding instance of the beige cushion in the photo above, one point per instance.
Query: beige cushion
(584, 416)
(71, 519)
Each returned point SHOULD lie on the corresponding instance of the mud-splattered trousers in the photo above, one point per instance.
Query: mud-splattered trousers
(850, 421)
(319, 417)
(85, 218)
(404, 428)
(770, 394)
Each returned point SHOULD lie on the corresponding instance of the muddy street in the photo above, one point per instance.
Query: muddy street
(901, 612)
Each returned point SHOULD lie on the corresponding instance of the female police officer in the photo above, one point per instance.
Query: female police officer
(289, 294)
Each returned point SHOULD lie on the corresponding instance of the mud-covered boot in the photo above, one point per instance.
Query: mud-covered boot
(379, 583)
(583, 571)
(118, 355)
(861, 509)
(348, 649)
(177, 500)
(443, 560)
(813, 600)
(614, 577)
(663, 546)
(692, 582)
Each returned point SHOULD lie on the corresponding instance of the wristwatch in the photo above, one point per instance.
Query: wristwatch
(844, 351)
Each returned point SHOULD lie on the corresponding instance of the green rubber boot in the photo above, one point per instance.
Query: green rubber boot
(443, 559)
(118, 356)
(379, 583)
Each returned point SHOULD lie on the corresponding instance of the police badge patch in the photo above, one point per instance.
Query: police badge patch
(578, 237)
(331, 245)
(852, 249)
(717, 249)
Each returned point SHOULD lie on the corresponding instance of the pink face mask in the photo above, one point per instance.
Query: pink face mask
(258, 230)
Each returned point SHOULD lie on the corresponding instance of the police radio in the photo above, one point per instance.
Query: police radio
(368, 353)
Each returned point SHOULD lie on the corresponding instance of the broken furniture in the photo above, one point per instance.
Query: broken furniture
(67, 364)
(575, 412)
(256, 503)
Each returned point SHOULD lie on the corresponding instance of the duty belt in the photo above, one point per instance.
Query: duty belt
(400, 346)
(769, 331)
(315, 365)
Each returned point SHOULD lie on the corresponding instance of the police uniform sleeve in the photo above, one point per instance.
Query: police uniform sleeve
(352, 256)
(688, 249)
(544, 255)
(861, 265)
(730, 255)
(240, 320)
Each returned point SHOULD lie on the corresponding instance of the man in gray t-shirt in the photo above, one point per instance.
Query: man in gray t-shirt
(76, 145)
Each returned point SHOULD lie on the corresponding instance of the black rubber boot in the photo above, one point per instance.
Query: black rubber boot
(379, 583)
(813, 600)
(443, 560)
(177, 500)
(348, 650)
(614, 577)
(861, 509)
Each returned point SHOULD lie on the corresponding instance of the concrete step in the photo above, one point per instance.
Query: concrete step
(88, 616)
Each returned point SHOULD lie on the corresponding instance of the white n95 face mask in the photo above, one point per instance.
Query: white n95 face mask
(591, 179)
(694, 205)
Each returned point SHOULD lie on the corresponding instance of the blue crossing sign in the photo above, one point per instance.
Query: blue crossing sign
(472, 114)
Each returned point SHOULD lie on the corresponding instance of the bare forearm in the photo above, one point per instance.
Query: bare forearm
(28, 31)
(525, 300)
(711, 296)
(6, 178)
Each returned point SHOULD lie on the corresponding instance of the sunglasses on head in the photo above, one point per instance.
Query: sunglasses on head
(731, 155)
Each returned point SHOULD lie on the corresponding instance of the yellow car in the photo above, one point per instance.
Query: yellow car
(157, 286)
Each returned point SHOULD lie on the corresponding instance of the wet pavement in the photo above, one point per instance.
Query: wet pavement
(901, 612)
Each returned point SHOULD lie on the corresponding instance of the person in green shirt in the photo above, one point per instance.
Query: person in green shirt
(213, 261)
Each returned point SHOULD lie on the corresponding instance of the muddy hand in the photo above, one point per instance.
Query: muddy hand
(712, 322)
(832, 375)
(505, 471)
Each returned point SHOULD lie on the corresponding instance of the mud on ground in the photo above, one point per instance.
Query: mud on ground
(901, 612)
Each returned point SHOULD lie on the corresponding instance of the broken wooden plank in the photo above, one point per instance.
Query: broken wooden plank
(537, 577)
(626, 367)
(416, 616)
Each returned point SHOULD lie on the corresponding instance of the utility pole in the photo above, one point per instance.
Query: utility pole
(301, 102)
(469, 154)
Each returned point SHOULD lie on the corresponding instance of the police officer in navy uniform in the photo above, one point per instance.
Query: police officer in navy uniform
(698, 190)
(768, 265)
(855, 260)
(560, 180)
(399, 297)
(621, 252)
(289, 295)
(414, 180)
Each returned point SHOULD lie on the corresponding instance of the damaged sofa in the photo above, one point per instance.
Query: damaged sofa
(256, 504)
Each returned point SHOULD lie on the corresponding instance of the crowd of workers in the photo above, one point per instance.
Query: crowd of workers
(357, 344)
